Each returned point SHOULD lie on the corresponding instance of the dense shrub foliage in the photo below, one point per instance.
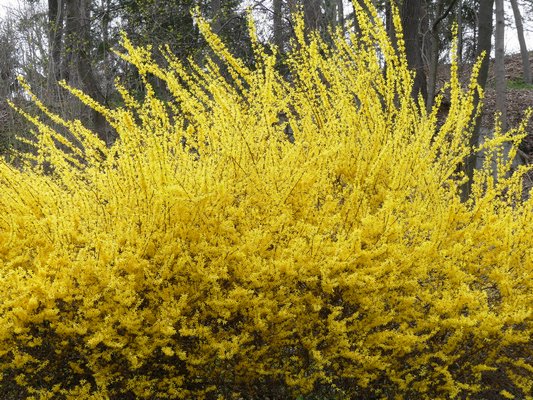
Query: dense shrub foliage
(262, 236)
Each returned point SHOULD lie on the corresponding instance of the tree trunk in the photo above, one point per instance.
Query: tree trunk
(216, 15)
(526, 67)
(277, 20)
(55, 36)
(439, 16)
(70, 41)
(312, 15)
(499, 72)
(340, 15)
(412, 15)
(107, 73)
(460, 32)
(78, 59)
(433, 58)
(330, 13)
(483, 45)
(499, 64)
(388, 21)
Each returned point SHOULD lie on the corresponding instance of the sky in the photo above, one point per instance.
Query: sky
(5, 5)
(511, 41)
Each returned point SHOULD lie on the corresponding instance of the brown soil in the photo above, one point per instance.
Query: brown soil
(518, 99)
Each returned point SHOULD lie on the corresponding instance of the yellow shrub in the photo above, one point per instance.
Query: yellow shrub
(206, 255)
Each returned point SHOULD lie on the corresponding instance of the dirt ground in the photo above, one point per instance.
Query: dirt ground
(519, 99)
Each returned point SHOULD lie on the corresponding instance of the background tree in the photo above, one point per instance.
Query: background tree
(9, 61)
(78, 58)
(277, 24)
(499, 63)
(9, 67)
(73, 39)
(483, 47)
(23, 51)
(56, 12)
(526, 67)
(414, 25)
(437, 14)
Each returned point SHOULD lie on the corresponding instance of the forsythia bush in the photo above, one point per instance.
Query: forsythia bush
(213, 253)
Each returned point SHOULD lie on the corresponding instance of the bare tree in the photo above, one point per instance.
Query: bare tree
(340, 14)
(499, 63)
(9, 64)
(460, 32)
(438, 16)
(330, 13)
(56, 13)
(277, 19)
(313, 16)
(412, 14)
(78, 68)
(483, 47)
(523, 47)
(216, 15)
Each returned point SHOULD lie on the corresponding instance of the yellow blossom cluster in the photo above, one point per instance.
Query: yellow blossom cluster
(266, 235)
